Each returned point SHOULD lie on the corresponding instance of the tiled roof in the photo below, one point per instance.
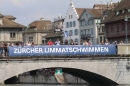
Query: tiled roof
(79, 11)
(40, 24)
(123, 5)
(6, 23)
(105, 6)
(10, 17)
(53, 34)
(1, 15)
(95, 12)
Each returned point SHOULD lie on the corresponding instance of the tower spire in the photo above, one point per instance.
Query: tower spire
(71, 2)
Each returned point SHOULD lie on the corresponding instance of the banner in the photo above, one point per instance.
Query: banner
(62, 50)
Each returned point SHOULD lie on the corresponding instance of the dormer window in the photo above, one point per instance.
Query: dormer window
(128, 10)
(117, 13)
(123, 11)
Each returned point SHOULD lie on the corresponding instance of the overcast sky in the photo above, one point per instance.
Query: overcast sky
(26, 11)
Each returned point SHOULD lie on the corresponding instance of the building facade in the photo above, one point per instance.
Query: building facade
(71, 24)
(57, 30)
(117, 23)
(105, 11)
(10, 31)
(88, 29)
(37, 31)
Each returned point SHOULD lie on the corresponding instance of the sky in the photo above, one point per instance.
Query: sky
(27, 11)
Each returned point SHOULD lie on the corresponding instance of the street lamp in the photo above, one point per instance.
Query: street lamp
(126, 20)
(98, 29)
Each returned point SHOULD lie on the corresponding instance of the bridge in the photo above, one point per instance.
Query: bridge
(102, 70)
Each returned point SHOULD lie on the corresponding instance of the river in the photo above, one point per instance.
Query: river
(39, 85)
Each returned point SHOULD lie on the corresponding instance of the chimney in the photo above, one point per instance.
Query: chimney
(42, 19)
(111, 2)
(1, 16)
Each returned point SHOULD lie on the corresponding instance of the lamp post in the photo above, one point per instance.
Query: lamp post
(126, 20)
(98, 29)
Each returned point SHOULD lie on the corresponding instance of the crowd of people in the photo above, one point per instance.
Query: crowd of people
(85, 42)
(4, 45)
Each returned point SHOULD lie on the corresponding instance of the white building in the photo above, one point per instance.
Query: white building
(71, 23)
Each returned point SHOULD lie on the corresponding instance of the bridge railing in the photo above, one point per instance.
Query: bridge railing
(123, 49)
(62, 50)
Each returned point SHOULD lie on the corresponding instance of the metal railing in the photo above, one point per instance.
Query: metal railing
(84, 36)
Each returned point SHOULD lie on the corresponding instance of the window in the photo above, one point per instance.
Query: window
(112, 28)
(84, 31)
(107, 29)
(88, 22)
(86, 15)
(80, 23)
(118, 28)
(123, 26)
(100, 38)
(31, 39)
(92, 41)
(88, 31)
(76, 31)
(104, 38)
(83, 23)
(117, 13)
(128, 26)
(123, 11)
(12, 35)
(128, 10)
(70, 33)
(74, 23)
(71, 16)
(76, 40)
(92, 31)
(92, 22)
(81, 32)
(67, 25)
(70, 24)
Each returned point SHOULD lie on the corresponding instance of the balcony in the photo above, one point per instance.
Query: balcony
(101, 33)
(85, 36)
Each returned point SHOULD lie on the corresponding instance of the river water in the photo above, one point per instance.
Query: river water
(39, 85)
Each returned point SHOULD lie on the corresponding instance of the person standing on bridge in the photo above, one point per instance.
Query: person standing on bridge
(85, 43)
(121, 42)
(76, 43)
(50, 42)
(2, 46)
(57, 42)
(72, 42)
(29, 43)
(66, 42)
(81, 43)
(5, 48)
